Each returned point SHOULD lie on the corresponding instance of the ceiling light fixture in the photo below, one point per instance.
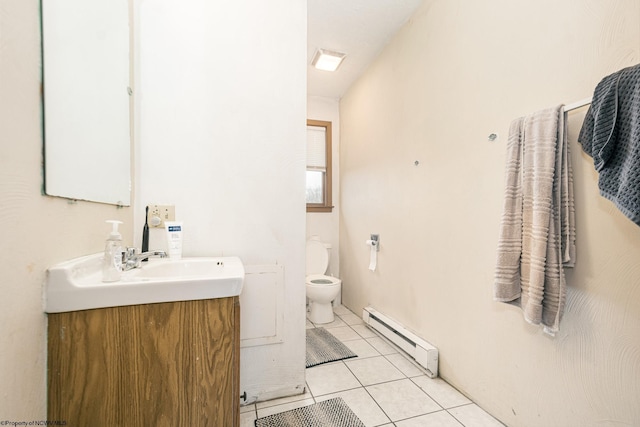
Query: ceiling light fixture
(327, 60)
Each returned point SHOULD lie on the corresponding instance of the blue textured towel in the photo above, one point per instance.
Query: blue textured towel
(611, 135)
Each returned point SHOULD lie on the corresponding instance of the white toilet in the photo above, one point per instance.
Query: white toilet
(321, 289)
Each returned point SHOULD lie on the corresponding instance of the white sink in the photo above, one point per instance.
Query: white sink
(77, 284)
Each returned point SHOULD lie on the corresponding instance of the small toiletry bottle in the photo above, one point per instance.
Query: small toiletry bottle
(174, 238)
(112, 262)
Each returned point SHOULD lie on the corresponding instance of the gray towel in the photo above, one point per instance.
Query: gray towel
(611, 135)
(537, 234)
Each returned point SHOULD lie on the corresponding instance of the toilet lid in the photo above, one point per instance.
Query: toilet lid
(317, 257)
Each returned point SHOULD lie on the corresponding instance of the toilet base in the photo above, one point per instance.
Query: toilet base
(321, 313)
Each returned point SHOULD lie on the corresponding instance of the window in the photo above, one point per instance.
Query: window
(318, 166)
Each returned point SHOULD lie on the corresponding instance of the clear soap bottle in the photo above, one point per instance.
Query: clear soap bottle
(112, 261)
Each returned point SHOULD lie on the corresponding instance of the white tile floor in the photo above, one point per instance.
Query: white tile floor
(382, 386)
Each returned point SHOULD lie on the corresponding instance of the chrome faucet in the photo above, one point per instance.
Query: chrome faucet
(132, 260)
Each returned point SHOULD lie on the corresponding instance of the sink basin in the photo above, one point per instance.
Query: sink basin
(77, 284)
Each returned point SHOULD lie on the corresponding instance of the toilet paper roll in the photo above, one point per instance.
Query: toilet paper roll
(373, 258)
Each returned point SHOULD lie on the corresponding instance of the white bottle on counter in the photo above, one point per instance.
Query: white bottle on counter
(112, 262)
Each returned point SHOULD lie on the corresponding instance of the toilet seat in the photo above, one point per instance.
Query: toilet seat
(320, 280)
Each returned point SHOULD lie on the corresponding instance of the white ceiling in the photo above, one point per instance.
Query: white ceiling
(359, 28)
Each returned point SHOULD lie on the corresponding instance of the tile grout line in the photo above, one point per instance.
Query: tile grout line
(398, 351)
(372, 398)
(442, 408)
(383, 382)
(385, 356)
(360, 382)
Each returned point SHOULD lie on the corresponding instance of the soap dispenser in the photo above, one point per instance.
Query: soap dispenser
(112, 262)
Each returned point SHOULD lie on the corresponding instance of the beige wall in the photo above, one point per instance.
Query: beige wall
(458, 71)
(37, 231)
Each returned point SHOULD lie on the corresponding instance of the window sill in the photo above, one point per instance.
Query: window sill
(311, 208)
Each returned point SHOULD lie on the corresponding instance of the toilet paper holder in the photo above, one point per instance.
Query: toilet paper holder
(374, 241)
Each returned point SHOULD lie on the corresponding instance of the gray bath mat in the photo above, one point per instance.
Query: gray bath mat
(322, 347)
(328, 413)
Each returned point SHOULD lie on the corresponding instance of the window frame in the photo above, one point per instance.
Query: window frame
(326, 206)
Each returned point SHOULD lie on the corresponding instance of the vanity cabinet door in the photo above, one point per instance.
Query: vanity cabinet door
(157, 364)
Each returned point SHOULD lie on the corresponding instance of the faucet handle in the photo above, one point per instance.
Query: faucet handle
(130, 253)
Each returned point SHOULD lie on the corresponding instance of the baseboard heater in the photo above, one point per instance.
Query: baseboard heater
(421, 351)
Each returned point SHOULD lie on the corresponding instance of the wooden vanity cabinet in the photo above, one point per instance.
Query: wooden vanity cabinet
(167, 364)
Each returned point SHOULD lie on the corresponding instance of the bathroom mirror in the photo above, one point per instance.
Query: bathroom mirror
(86, 78)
